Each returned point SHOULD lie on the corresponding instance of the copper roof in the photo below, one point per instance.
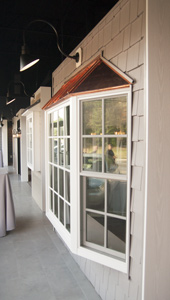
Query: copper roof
(98, 75)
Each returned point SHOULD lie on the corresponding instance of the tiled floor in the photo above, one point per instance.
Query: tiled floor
(34, 263)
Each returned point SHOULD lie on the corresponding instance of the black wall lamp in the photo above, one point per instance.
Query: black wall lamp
(11, 95)
(26, 61)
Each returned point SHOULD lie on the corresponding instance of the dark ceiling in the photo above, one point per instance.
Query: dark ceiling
(73, 20)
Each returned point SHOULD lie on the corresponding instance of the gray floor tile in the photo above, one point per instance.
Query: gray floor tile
(34, 262)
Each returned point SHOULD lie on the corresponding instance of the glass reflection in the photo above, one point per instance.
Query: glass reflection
(55, 119)
(68, 217)
(56, 179)
(67, 120)
(61, 211)
(67, 186)
(116, 234)
(51, 200)
(92, 154)
(116, 197)
(56, 205)
(95, 192)
(50, 176)
(92, 117)
(115, 115)
(55, 151)
(50, 150)
(61, 121)
(61, 182)
(61, 152)
(67, 153)
(50, 124)
(116, 155)
(95, 228)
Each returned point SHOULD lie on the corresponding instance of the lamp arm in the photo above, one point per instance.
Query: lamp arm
(19, 81)
(75, 57)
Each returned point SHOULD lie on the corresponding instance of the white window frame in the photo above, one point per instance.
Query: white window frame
(72, 239)
(59, 227)
(36, 133)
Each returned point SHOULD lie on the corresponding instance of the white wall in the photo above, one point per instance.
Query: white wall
(5, 143)
(24, 168)
(38, 178)
(121, 35)
(157, 262)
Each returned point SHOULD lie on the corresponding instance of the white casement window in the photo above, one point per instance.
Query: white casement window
(59, 168)
(89, 150)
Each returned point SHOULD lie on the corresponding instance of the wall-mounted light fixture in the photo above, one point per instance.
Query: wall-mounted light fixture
(16, 133)
(1, 122)
(11, 95)
(26, 61)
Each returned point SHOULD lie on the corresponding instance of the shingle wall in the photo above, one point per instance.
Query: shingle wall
(121, 35)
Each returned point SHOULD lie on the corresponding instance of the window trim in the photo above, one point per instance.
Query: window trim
(86, 252)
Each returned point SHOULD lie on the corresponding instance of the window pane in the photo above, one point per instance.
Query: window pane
(51, 200)
(95, 193)
(116, 197)
(50, 124)
(68, 217)
(115, 115)
(61, 152)
(116, 232)
(67, 186)
(116, 155)
(61, 182)
(50, 176)
(67, 153)
(50, 150)
(61, 211)
(95, 228)
(55, 151)
(92, 117)
(55, 129)
(92, 154)
(61, 121)
(67, 120)
(56, 179)
(56, 205)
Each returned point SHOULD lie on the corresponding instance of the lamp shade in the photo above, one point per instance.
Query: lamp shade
(26, 61)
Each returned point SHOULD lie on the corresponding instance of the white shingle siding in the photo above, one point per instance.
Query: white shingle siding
(136, 178)
(121, 35)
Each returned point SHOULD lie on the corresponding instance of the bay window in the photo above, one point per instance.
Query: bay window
(89, 174)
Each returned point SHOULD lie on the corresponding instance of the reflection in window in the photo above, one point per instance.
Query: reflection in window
(67, 153)
(68, 217)
(116, 155)
(61, 211)
(104, 193)
(92, 154)
(95, 228)
(116, 233)
(116, 197)
(61, 182)
(55, 127)
(55, 150)
(67, 186)
(115, 115)
(95, 192)
(92, 117)
(61, 121)
(56, 179)
(56, 205)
